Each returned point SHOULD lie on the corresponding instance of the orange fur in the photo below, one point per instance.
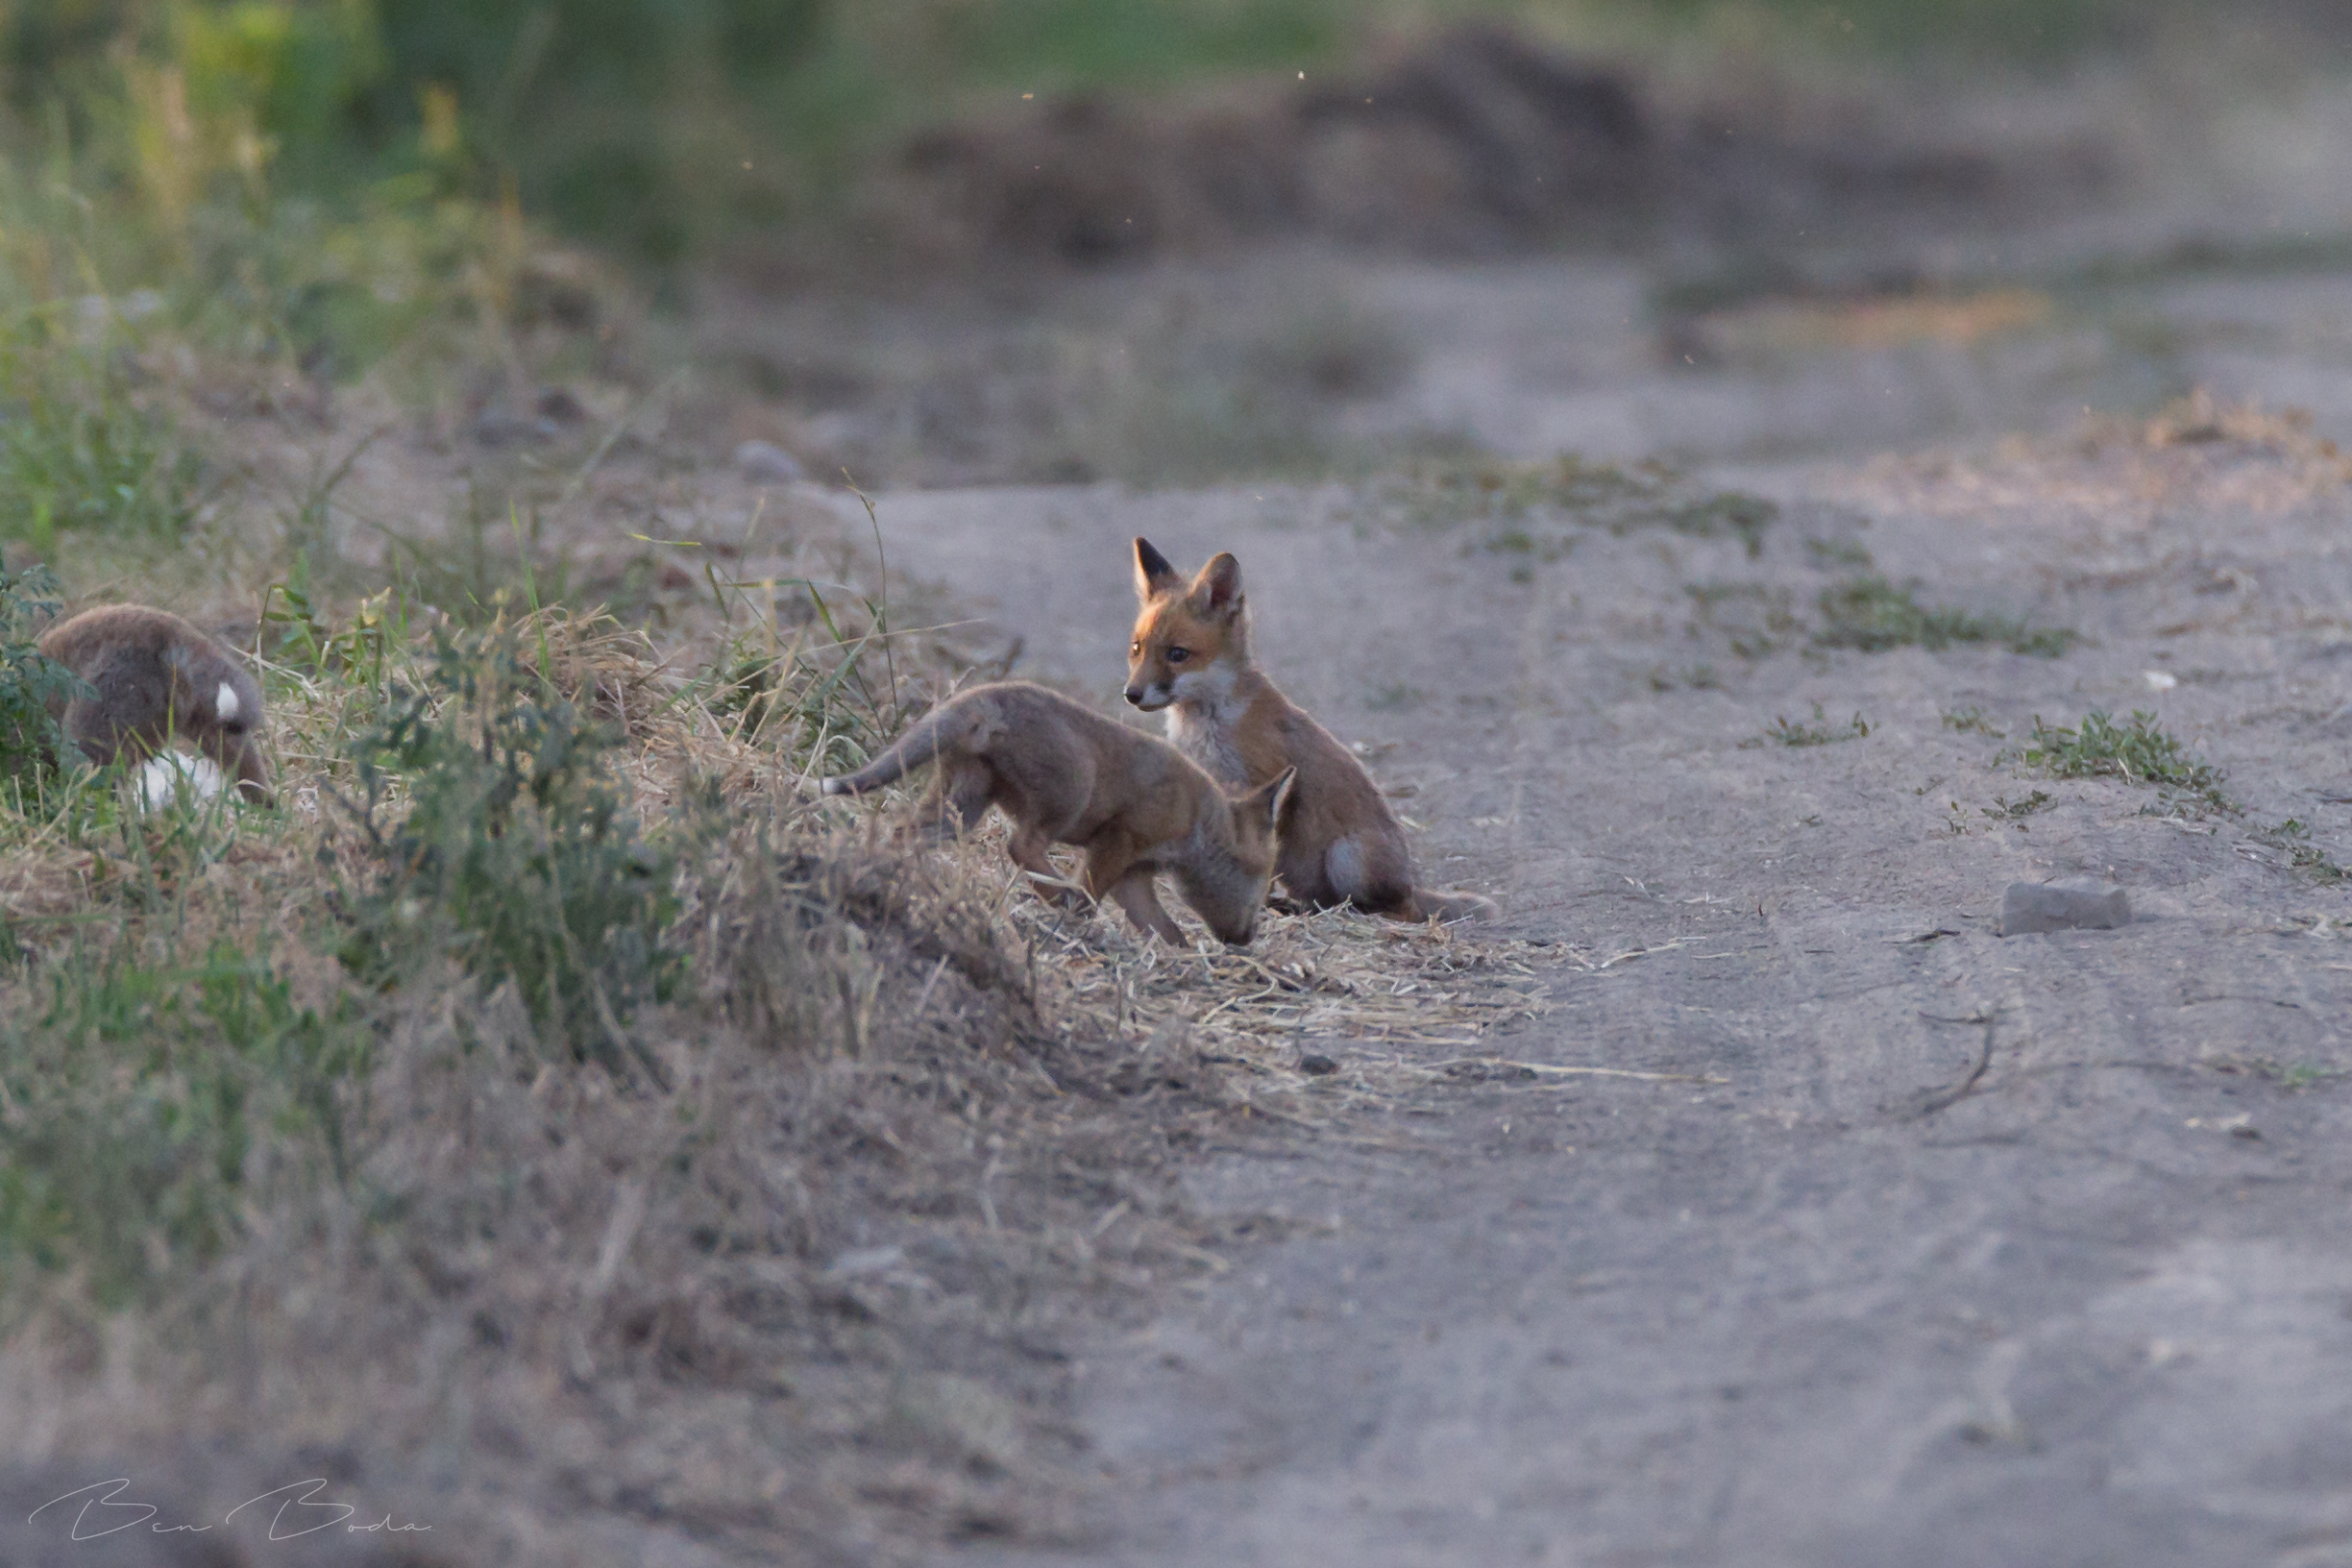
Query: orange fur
(1190, 657)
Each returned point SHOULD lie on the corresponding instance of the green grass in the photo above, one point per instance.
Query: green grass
(2137, 751)
(30, 743)
(1966, 719)
(1820, 732)
(164, 1080)
(1531, 504)
(517, 853)
(1872, 615)
(76, 452)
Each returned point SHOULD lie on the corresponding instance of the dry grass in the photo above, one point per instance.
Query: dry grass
(797, 1291)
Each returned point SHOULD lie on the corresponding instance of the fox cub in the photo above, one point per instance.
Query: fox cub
(1341, 842)
(154, 678)
(1065, 775)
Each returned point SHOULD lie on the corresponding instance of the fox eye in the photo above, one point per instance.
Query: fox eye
(1135, 650)
(1178, 656)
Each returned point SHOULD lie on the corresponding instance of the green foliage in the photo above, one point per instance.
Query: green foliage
(76, 451)
(30, 680)
(1871, 614)
(148, 1097)
(2135, 752)
(516, 853)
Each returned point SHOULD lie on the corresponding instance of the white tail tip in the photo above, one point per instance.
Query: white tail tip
(225, 703)
(835, 785)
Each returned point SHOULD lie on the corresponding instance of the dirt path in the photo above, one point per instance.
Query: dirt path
(1940, 1248)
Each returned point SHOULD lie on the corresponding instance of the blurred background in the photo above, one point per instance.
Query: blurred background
(952, 241)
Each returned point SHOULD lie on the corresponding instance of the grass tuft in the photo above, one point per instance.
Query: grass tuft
(1569, 493)
(1872, 615)
(2135, 752)
(518, 854)
(1820, 732)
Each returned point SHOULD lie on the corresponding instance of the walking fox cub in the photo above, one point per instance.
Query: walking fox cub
(1341, 842)
(1065, 775)
(153, 678)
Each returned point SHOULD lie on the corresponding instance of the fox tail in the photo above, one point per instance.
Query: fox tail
(933, 733)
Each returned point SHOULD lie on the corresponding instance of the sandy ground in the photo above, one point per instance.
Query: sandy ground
(1943, 1248)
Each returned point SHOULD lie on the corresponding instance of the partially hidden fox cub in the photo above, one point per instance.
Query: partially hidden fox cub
(154, 678)
(1341, 842)
(1065, 775)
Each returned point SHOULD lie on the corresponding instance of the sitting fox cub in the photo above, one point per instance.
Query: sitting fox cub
(1341, 842)
(154, 678)
(1067, 776)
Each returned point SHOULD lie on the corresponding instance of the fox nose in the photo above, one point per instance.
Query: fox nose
(1134, 694)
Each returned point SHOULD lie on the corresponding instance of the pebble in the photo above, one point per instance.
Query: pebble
(764, 463)
(2072, 904)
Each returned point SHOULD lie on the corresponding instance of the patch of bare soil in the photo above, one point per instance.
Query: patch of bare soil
(1811, 1220)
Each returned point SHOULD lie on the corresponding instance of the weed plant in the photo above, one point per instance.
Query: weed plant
(2137, 751)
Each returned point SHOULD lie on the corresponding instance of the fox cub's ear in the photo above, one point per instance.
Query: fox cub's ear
(1217, 592)
(1273, 797)
(1154, 575)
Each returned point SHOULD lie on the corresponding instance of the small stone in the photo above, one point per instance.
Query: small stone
(2072, 904)
(764, 463)
(1318, 1066)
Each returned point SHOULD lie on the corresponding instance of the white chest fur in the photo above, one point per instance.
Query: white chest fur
(1196, 732)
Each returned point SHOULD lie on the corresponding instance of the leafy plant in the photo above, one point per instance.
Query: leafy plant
(516, 854)
(2135, 752)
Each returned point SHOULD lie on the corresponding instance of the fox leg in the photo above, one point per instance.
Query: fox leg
(1134, 892)
(1111, 870)
(1028, 848)
(958, 800)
